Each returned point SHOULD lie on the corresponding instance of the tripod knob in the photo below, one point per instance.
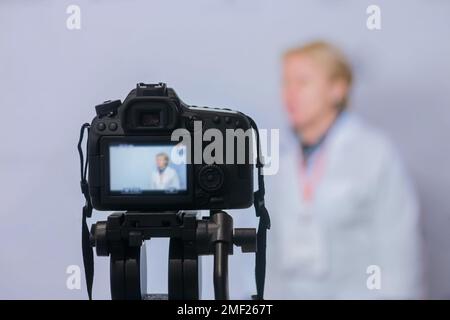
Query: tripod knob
(98, 238)
(245, 238)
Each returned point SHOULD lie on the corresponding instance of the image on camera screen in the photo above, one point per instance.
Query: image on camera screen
(138, 169)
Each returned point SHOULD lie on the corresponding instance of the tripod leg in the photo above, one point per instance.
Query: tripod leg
(190, 272)
(183, 271)
(125, 273)
(221, 271)
(117, 276)
(133, 274)
(176, 269)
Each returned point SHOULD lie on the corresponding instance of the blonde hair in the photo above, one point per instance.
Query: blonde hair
(163, 155)
(331, 58)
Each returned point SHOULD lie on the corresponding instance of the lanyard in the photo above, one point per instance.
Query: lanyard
(311, 177)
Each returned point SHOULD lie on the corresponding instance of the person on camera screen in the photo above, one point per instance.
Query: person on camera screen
(164, 177)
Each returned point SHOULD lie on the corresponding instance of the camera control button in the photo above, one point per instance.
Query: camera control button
(101, 126)
(113, 126)
(216, 119)
(210, 178)
(227, 120)
(190, 122)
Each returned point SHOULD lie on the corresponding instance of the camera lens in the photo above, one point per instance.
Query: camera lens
(150, 119)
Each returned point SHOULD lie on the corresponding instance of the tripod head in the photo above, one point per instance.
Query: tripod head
(121, 237)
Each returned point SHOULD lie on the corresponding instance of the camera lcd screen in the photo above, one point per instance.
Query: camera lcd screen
(147, 169)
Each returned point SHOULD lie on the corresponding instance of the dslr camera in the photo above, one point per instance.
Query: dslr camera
(148, 153)
(156, 158)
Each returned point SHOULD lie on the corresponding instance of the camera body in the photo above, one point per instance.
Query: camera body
(131, 155)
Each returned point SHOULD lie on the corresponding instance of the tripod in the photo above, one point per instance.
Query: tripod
(121, 237)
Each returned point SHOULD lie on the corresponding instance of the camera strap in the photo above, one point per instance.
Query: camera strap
(88, 254)
(264, 221)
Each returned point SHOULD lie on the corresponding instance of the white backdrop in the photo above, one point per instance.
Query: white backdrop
(221, 53)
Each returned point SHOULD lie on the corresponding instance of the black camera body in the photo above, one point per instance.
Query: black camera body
(131, 155)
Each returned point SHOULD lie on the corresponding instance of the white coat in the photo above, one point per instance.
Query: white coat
(359, 237)
(167, 180)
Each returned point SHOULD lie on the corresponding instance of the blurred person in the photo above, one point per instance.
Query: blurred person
(345, 218)
(165, 177)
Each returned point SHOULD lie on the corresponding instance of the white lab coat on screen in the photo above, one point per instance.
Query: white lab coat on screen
(167, 180)
(364, 213)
